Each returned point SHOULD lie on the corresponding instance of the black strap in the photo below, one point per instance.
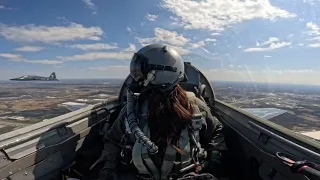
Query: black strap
(161, 67)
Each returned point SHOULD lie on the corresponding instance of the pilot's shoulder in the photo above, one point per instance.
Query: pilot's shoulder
(121, 116)
(192, 97)
(123, 107)
(197, 101)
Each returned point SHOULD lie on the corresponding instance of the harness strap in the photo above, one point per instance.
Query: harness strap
(144, 163)
(137, 154)
(146, 158)
(145, 155)
(168, 161)
(184, 143)
(170, 155)
(196, 125)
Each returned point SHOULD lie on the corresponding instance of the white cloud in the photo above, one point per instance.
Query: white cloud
(129, 29)
(215, 34)
(298, 71)
(97, 46)
(162, 35)
(29, 48)
(125, 54)
(265, 71)
(273, 42)
(53, 62)
(239, 47)
(313, 28)
(111, 68)
(180, 50)
(311, 2)
(197, 44)
(17, 57)
(210, 40)
(63, 19)
(266, 56)
(151, 17)
(99, 55)
(314, 45)
(11, 56)
(315, 38)
(217, 15)
(91, 5)
(298, 76)
(50, 34)
(170, 38)
(314, 32)
(175, 21)
(5, 8)
(131, 48)
(272, 46)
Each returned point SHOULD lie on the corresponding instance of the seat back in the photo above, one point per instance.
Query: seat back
(192, 80)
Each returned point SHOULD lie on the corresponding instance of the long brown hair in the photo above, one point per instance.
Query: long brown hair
(168, 115)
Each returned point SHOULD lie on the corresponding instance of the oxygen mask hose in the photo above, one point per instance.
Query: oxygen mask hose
(134, 124)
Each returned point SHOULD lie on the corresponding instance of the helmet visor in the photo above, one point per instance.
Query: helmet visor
(137, 67)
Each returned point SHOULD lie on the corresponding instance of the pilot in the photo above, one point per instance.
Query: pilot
(162, 132)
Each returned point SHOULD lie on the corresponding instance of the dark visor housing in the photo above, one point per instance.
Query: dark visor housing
(139, 67)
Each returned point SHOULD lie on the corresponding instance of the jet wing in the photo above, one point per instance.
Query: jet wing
(265, 113)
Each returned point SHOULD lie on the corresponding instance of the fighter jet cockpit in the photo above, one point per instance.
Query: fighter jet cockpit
(160, 90)
(23, 77)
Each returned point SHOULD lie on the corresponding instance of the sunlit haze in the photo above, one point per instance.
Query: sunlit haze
(275, 41)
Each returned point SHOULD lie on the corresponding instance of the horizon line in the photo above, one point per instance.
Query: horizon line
(227, 81)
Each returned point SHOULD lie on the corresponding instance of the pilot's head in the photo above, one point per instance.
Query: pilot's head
(162, 64)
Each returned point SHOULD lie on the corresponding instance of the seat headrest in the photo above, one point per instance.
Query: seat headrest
(190, 87)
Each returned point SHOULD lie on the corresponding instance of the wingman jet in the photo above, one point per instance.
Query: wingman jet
(52, 77)
(68, 145)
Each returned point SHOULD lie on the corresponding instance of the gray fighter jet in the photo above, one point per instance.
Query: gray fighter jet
(52, 77)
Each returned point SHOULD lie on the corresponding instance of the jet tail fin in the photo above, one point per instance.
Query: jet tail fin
(53, 75)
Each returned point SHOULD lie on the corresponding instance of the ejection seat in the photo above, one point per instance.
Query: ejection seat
(192, 82)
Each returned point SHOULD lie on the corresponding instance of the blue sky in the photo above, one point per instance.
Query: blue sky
(235, 40)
